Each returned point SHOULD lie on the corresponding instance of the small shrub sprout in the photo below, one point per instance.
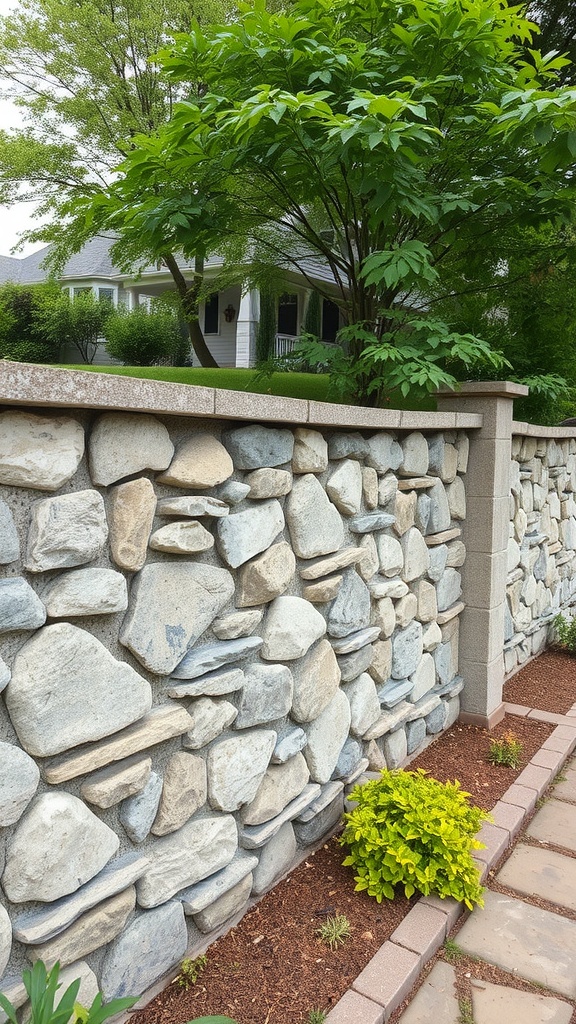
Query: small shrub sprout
(334, 931)
(505, 751)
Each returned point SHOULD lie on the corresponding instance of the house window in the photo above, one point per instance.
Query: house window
(212, 314)
(330, 320)
(82, 291)
(288, 315)
(106, 295)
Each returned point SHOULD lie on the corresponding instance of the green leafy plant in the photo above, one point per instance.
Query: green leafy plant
(566, 633)
(334, 931)
(452, 951)
(190, 971)
(42, 985)
(316, 1017)
(407, 828)
(505, 751)
(466, 1014)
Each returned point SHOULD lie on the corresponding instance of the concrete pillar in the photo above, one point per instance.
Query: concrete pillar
(485, 533)
(246, 325)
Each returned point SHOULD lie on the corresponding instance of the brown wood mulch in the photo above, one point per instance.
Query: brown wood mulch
(273, 968)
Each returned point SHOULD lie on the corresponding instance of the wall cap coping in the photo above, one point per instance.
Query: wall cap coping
(485, 388)
(38, 385)
(537, 430)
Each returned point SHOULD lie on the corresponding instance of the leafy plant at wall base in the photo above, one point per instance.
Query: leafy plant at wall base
(190, 971)
(334, 931)
(505, 751)
(566, 633)
(316, 1017)
(407, 828)
(42, 985)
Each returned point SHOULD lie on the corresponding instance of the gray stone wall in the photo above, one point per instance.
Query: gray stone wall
(541, 579)
(207, 631)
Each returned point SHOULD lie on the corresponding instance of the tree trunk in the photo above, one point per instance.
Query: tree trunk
(189, 301)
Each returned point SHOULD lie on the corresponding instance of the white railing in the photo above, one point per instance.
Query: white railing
(284, 344)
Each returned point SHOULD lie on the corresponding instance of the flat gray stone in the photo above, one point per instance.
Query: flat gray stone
(124, 443)
(92, 930)
(436, 719)
(232, 492)
(540, 872)
(315, 524)
(131, 510)
(266, 695)
(197, 897)
(236, 767)
(440, 518)
(198, 849)
(187, 538)
(424, 678)
(183, 793)
(372, 522)
(253, 837)
(281, 784)
(391, 720)
(566, 788)
(19, 778)
(391, 558)
(355, 641)
(448, 589)
(531, 942)
(321, 816)
(344, 487)
(316, 679)
(395, 746)
(393, 692)
(350, 757)
(292, 625)
(275, 860)
(415, 735)
(42, 452)
(254, 446)
(326, 737)
(210, 657)
(153, 943)
(392, 588)
(350, 612)
(384, 453)
(193, 505)
(213, 684)
(237, 625)
(415, 458)
(224, 907)
(290, 741)
(117, 782)
(319, 567)
(499, 1003)
(20, 606)
(437, 999)
(50, 704)
(56, 847)
(85, 592)
(416, 555)
(41, 925)
(9, 543)
(555, 819)
(171, 604)
(268, 576)
(200, 461)
(364, 704)
(137, 812)
(310, 453)
(210, 718)
(407, 651)
(347, 445)
(352, 665)
(245, 534)
(269, 483)
(65, 531)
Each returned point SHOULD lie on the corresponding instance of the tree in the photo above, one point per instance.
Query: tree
(79, 321)
(24, 334)
(385, 142)
(84, 79)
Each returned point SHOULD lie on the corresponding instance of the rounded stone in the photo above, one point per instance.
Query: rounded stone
(122, 444)
(292, 625)
(326, 737)
(200, 461)
(42, 452)
(316, 680)
(19, 778)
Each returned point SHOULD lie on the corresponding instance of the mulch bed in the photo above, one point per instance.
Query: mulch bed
(547, 683)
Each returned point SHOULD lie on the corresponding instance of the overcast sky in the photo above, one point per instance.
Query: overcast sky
(17, 218)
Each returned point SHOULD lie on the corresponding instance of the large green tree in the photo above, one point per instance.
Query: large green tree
(386, 143)
(83, 75)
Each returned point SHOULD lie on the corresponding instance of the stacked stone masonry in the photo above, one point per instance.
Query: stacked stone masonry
(541, 580)
(207, 632)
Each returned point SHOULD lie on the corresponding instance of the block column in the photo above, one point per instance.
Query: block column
(485, 533)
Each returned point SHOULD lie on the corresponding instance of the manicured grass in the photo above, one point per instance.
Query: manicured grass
(312, 386)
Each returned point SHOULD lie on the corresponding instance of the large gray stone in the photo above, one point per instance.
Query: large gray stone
(213, 684)
(266, 695)
(117, 782)
(356, 641)
(438, 559)
(86, 592)
(131, 511)
(183, 793)
(239, 624)
(269, 483)
(448, 589)
(197, 897)
(94, 929)
(198, 849)
(292, 625)
(390, 555)
(371, 522)
(137, 812)
(316, 679)
(200, 461)
(9, 543)
(122, 444)
(350, 612)
(209, 657)
(225, 906)
(42, 452)
(384, 453)
(275, 860)
(424, 678)
(310, 453)
(5, 939)
(415, 458)
(210, 717)
(67, 689)
(326, 737)
(152, 944)
(323, 566)
(19, 778)
(502, 1003)
(321, 815)
(267, 576)
(315, 524)
(253, 837)
(440, 518)
(281, 784)
(416, 556)
(39, 926)
(171, 604)
(349, 759)
(254, 446)
(395, 748)
(347, 446)
(364, 704)
(352, 665)
(193, 505)
(56, 847)
(236, 767)
(289, 741)
(182, 538)
(245, 534)
(232, 492)
(344, 487)
(65, 531)
(20, 606)
(406, 651)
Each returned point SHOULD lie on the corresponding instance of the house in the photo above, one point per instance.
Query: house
(229, 317)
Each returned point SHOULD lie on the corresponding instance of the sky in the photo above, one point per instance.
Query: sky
(17, 218)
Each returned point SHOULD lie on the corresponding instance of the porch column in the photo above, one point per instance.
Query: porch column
(246, 326)
(485, 533)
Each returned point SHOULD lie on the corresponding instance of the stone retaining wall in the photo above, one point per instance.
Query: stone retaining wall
(541, 579)
(207, 631)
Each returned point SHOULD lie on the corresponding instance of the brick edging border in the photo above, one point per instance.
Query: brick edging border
(393, 971)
